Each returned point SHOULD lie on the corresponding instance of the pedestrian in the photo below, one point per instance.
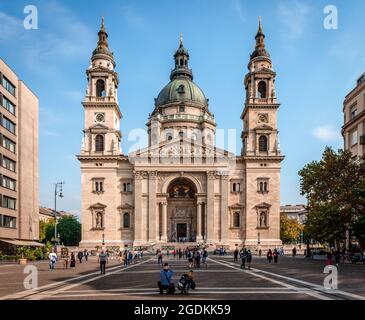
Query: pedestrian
(204, 257)
(79, 256)
(294, 251)
(52, 260)
(337, 257)
(260, 252)
(329, 258)
(125, 258)
(269, 255)
(72, 260)
(103, 260)
(243, 256)
(159, 258)
(65, 261)
(235, 255)
(190, 259)
(249, 259)
(86, 254)
(180, 254)
(275, 255)
(165, 280)
(197, 259)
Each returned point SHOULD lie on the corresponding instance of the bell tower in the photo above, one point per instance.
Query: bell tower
(260, 134)
(102, 134)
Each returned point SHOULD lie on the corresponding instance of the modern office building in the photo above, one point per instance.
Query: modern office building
(18, 158)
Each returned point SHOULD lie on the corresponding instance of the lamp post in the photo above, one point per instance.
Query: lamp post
(103, 241)
(57, 193)
(258, 238)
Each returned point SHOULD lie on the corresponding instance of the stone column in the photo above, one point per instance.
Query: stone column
(224, 207)
(210, 235)
(139, 221)
(199, 222)
(152, 217)
(164, 221)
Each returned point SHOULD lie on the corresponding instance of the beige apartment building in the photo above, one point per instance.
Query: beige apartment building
(181, 187)
(18, 158)
(353, 130)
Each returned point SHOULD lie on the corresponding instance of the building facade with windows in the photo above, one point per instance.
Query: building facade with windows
(353, 130)
(18, 158)
(296, 211)
(181, 187)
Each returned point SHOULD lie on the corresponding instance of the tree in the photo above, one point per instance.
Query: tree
(332, 187)
(70, 231)
(290, 229)
(46, 231)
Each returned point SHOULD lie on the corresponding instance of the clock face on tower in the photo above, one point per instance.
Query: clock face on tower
(99, 117)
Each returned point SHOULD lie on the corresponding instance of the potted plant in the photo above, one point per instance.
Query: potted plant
(22, 252)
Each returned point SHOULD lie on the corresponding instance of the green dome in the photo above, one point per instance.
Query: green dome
(181, 89)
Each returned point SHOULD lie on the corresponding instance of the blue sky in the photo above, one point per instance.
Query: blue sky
(315, 69)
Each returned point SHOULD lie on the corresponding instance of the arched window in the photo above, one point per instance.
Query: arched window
(234, 186)
(100, 88)
(126, 220)
(238, 187)
(181, 134)
(236, 219)
(129, 187)
(99, 143)
(124, 187)
(168, 136)
(181, 62)
(261, 89)
(263, 143)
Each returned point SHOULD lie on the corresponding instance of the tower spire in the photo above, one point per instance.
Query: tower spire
(103, 46)
(181, 39)
(260, 43)
(181, 57)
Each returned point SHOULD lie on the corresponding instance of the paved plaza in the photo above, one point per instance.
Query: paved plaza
(292, 278)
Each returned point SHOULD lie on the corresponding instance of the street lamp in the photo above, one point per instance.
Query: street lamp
(58, 192)
(103, 241)
(258, 238)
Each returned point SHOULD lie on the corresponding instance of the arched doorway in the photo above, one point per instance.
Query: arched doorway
(181, 211)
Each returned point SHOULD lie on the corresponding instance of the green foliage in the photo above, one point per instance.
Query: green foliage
(358, 229)
(46, 231)
(332, 187)
(290, 230)
(70, 231)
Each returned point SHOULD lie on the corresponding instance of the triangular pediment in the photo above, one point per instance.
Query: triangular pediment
(181, 147)
(263, 205)
(236, 206)
(125, 206)
(98, 126)
(97, 206)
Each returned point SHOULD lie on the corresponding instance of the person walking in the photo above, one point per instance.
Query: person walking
(260, 252)
(269, 255)
(86, 254)
(197, 259)
(204, 257)
(52, 260)
(294, 252)
(79, 256)
(235, 255)
(249, 259)
(103, 260)
(72, 260)
(243, 258)
(180, 254)
(337, 257)
(159, 258)
(275, 254)
(165, 280)
(65, 261)
(190, 259)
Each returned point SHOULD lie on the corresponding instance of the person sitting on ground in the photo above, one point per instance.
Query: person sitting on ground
(165, 280)
(186, 282)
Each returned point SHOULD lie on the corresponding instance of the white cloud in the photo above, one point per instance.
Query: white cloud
(293, 16)
(237, 7)
(326, 133)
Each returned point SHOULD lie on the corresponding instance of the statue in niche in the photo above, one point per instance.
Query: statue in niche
(99, 218)
(263, 219)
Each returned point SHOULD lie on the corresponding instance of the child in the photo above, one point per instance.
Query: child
(186, 282)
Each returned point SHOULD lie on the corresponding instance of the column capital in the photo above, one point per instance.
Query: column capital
(139, 175)
(212, 174)
(153, 174)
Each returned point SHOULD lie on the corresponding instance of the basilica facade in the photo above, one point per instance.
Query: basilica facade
(181, 187)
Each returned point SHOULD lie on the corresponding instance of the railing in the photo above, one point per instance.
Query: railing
(187, 117)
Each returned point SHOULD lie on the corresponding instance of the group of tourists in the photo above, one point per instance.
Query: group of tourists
(195, 256)
(128, 257)
(69, 260)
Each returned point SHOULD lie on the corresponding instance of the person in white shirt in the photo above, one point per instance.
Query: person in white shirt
(52, 260)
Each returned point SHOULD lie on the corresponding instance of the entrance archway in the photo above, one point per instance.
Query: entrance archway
(181, 211)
